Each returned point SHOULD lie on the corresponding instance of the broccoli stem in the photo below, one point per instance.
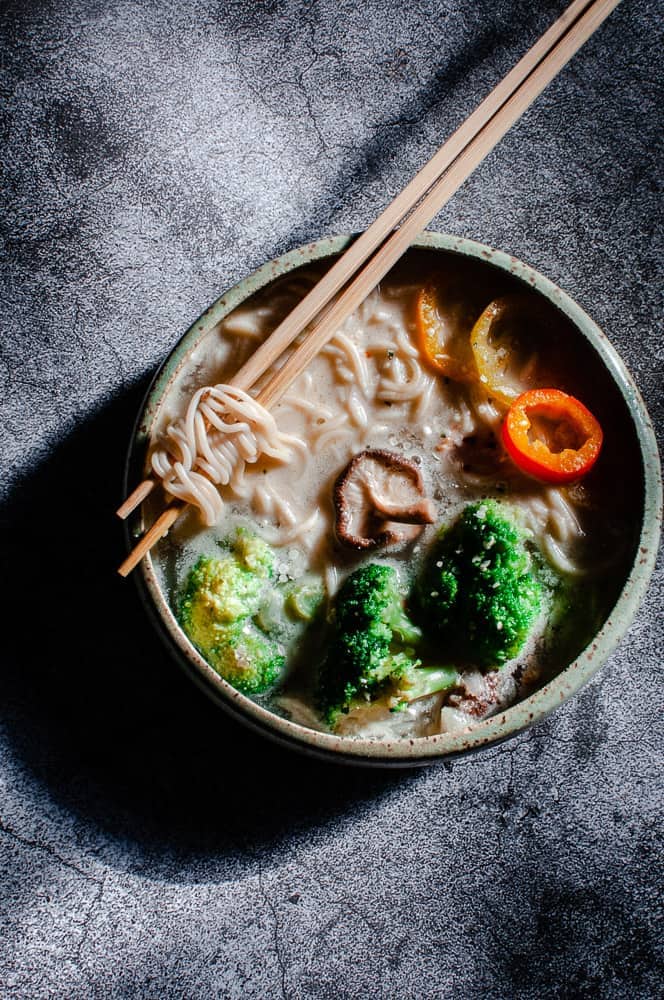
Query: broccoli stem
(424, 681)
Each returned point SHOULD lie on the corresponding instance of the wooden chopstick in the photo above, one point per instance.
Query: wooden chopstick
(436, 184)
(161, 527)
(369, 241)
(439, 194)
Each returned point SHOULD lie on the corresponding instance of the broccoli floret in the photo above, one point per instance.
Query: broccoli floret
(289, 609)
(371, 655)
(254, 554)
(479, 591)
(359, 668)
(246, 658)
(304, 599)
(366, 656)
(220, 598)
(372, 594)
(218, 591)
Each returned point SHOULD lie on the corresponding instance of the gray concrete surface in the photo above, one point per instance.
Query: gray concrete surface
(153, 154)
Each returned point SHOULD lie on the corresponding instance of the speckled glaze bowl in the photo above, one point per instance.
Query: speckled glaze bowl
(431, 748)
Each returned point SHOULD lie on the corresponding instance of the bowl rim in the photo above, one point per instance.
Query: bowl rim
(425, 749)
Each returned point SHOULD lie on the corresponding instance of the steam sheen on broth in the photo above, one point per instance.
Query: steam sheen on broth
(372, 388)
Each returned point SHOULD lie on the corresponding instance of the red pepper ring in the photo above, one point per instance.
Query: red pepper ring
(551, 436)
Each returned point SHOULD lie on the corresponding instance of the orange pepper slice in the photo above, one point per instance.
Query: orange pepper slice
(551, 436)
(443, 339)
(495, 341)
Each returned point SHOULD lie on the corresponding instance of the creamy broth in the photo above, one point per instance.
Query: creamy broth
(371, 389)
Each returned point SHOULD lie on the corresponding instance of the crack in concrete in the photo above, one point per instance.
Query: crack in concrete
(87, 921)
(47, 849)
(276, 924)
(506, 801)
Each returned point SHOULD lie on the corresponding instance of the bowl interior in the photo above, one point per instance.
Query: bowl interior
(610, 394)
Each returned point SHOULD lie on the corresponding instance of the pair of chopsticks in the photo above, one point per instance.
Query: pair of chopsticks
(371, 256)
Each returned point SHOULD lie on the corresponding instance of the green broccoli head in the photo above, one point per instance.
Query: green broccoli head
(245, 657)
(479, 591)
(372, 594)
(218, 591)
(254, 554)
(360, 667)
(220, 597)
(372, 642)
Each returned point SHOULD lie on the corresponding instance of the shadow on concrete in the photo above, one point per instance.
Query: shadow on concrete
(92, 702)
(94, 705)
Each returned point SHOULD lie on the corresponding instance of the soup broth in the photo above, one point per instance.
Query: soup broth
(374, 388)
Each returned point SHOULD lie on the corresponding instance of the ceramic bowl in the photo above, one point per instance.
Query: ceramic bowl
(431, 748)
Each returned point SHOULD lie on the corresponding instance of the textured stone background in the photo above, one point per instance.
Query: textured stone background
(154, 154)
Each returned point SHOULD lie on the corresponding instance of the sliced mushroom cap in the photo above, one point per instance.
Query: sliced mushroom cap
(379, 500)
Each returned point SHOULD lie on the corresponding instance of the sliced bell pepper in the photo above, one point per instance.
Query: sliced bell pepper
(494, 343)
(443, 339)
(551, 436)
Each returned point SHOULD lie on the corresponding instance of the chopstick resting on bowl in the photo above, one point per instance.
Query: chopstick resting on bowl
(369, 241)
(371, 256)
